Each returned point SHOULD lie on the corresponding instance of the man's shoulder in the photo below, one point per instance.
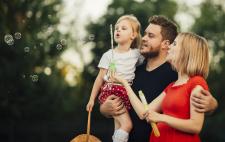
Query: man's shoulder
(141, 66)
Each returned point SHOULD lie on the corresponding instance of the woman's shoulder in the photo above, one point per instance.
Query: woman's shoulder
(198, 80)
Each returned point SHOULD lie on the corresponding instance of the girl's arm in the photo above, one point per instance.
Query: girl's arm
(192, 125)
(155, 105)
(96, 87)
(134, 100)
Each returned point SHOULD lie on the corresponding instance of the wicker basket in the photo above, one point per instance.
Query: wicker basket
(86, 137)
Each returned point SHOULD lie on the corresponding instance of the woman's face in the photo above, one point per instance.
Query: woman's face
(173, 52)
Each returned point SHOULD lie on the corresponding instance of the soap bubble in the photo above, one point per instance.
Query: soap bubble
(91, 37)
(63, 42)
(26, 49)
(9, 39)
(17, 35)
(34, 78)
(58, 46)
(23, 76)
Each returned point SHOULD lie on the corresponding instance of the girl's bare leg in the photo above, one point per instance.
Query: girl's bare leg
(123, 126)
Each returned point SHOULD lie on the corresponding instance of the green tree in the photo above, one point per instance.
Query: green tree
(211, 26)
(32, 86)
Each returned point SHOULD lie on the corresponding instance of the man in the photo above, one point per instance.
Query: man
(153, 76)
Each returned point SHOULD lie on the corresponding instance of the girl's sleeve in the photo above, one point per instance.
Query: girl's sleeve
(104, 61)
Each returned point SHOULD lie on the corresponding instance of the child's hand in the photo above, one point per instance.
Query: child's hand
(152, 116)
(117, 78)
(111, 74)
(90, 105)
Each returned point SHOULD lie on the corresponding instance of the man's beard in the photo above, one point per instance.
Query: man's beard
(151, 54)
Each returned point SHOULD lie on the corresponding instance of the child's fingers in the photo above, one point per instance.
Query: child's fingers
(87, 107)
(113, 74)
(110, 74)
(90, 109)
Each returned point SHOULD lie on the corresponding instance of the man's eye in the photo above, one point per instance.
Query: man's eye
(150, 35)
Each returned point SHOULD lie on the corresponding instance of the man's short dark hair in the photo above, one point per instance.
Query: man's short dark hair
(168, 27)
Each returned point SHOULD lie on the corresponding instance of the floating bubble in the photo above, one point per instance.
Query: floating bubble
(48, 71)
(91, 37)
(17, 35)
(23, 76)
(34, 78)
(63, 42)
(58, 46)
(26, 49)
(9, 39)
(29, 14)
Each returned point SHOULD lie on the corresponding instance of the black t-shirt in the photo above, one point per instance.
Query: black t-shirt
(152, 84)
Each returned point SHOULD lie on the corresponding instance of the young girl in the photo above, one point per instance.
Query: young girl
(175, 115)
(125, 56)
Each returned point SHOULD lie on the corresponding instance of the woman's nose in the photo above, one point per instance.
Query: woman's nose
(143, 38)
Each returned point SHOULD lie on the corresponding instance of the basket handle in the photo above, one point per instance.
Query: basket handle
(88, 125)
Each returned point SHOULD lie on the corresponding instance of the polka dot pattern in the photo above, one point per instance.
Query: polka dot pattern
(114, 89)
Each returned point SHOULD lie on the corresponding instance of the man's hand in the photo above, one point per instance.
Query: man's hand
(204, 102)
(112, 106)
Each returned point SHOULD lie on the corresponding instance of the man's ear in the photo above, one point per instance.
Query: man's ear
(166, 44)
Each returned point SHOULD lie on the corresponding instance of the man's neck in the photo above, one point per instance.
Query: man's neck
(153, 63)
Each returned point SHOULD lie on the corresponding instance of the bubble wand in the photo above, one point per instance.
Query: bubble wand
(112, 65)
(154, 126)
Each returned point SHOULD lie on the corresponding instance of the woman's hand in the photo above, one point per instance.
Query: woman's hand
(152, 116)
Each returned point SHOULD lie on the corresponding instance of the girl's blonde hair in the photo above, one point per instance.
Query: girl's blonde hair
(193, 58)
(136, 27)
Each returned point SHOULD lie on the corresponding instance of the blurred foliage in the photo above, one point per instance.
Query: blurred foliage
(27, 91)
(211, 26)
(35, 99)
